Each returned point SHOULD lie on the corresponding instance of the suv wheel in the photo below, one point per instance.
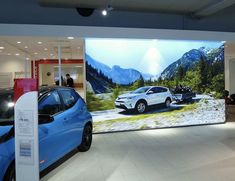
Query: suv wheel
(86, 139)
(141, 107)
(167, 102)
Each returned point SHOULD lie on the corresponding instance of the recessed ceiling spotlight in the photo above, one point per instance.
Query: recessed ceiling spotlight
(1, 48)
(51, 54)
(17, 54)
(26, 47)
(27, 58)
(8, 54)
(35, 53)
(18, 42)
(104, 12)
(39, 42)
(45, 49)
(70, 37)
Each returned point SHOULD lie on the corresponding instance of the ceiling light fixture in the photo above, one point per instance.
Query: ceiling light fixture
(26, 47)
(70, 37)
(1, 48)
(8, 54)
(18, 42)
(17, 54)
(39, 42)
(27, 58)
(35, 53)
(106, 10)
(45, 49)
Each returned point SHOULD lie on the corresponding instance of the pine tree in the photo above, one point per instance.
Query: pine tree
(180, 73)
(202, 68)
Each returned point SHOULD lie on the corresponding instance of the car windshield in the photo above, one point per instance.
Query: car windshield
(140, 90)
(6, 107)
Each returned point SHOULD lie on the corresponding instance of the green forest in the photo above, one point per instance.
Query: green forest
(203, 78)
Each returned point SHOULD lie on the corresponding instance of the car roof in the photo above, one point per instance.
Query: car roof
(158, 86)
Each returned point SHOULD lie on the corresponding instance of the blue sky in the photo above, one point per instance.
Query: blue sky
(146, 56)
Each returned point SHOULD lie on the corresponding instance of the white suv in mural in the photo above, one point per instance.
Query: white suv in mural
(143, 97)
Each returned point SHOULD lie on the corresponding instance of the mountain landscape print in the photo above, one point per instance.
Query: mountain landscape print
(116, 67)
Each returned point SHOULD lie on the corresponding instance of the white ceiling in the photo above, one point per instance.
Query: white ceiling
(200, 8)
(31, 48)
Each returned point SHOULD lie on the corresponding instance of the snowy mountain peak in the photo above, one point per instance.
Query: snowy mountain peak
(116, 73)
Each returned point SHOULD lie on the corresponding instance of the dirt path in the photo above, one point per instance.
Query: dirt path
(207, 110)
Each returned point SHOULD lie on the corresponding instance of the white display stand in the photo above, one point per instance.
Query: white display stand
(26, 137)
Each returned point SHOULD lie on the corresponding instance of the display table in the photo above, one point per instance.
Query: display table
(230, 113)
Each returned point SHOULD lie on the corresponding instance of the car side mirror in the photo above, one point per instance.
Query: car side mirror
(150, 92)
(45, 118)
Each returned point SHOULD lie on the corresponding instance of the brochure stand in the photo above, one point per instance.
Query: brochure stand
(26, 130)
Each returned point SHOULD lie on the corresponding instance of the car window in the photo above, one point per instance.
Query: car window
(69, 97)
(6, 107)
(161, 89)
(50, 104)
(140, 90)
(155, 90)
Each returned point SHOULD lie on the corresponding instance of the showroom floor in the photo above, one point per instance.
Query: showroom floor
(190, 154)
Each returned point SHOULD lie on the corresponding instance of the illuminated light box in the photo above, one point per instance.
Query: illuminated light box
(142, 84)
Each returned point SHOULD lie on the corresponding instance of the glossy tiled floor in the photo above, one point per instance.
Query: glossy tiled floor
(178, 154)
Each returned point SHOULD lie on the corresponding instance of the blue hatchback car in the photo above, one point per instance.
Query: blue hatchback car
(64, 125)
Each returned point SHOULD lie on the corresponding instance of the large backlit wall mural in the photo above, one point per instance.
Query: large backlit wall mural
(142, 84)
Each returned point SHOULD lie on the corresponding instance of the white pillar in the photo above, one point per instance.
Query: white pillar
(33, 69)
(59, 64)
(25, 67)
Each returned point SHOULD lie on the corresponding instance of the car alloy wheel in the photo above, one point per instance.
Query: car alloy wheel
(168, 103)
(86, 139)
(141, 107)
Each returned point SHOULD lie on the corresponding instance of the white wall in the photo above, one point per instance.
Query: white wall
(232, 76)
(230, 67)
(111, 32)
(43, 77)
(11, 64)
(66, 68)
